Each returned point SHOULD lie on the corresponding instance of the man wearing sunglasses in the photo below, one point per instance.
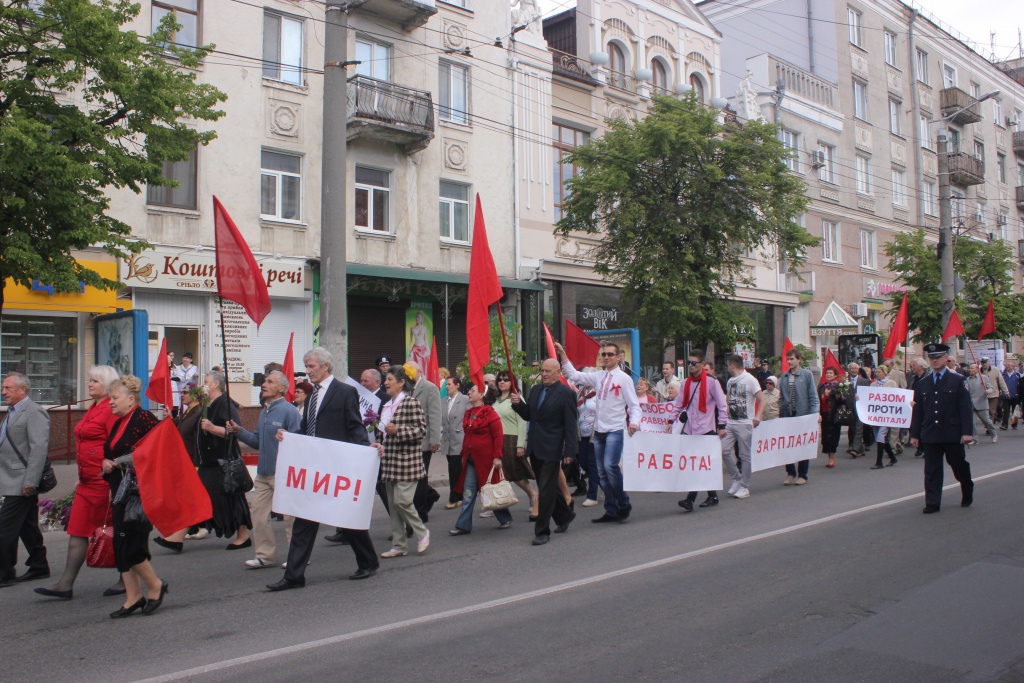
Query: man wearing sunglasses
(616, 398)
(701, 407)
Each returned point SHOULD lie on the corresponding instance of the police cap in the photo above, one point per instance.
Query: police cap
(936, 350)
(383, 360)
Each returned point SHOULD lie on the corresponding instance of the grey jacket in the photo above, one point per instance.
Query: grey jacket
(452, 412)
(800, 396)
(278, 415)
(29, 430)
(429, 397)
(978, 387)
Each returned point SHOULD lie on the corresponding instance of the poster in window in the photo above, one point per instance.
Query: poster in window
(419, 325)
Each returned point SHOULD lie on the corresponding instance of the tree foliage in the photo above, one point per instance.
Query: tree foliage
(916, 266)
(497, 363)
(677, 198)
(86, 107)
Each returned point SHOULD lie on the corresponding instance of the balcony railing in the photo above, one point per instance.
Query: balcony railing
(1020, 195)
(953, 100)
(1018, 142)
(966, 169)
(409, 14)
(803, 84)
(621, 81)
(390, 112)
(572, 66)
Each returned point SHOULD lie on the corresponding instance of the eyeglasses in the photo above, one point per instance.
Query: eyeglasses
(608, 353)
(503, 379)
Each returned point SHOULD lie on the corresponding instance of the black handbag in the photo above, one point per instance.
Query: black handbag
(48, 481)
(236, 474)
(129, 487)
(135, 517)
(844, 417)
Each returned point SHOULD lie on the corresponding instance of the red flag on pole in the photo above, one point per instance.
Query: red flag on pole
(787, 346)
(238, 275)
(550, 342)
(899, 331)
(580, 347)
(433, 374)
(172, 495)
(288, 368)
(484, 290)
(954, 327)
(832, 362)
(988, 325)
(159, 388)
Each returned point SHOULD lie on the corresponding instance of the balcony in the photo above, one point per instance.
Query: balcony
(573, 67)
(621, 81)
(955, 99)
(390, 113)
(803, 84)
(966, 169)
(1018, 142)
(409, 14)
(1020, 195)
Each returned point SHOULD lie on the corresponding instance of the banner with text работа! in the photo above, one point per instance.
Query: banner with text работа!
(331, 482)
(783, 441)
(671, 462)
(884, 406)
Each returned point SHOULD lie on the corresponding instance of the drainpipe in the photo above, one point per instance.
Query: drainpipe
(915, 98)
(515, 163)
(810, 37)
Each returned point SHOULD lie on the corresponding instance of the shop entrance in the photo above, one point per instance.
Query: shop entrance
(179, 340)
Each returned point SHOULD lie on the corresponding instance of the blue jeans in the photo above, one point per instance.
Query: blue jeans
(608, 451)
(589, 464)
(469, 491)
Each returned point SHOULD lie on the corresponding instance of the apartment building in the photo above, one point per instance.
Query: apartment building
(857, 87)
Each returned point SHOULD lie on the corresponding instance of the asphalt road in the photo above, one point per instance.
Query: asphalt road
(840, 580)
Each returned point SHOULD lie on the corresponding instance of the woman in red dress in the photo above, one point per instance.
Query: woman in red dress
(482, 449)
(91, 508)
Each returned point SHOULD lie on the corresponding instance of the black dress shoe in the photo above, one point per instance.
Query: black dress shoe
(50, 593)
(877, 466)
(336, 537)
(362, 574)
(605, 519)
(33, 575)
(111, 592)
(8, 582)
(892, 461)
(623, 516)
(579, 492)
(247, 543)
(170, 545)
(125, 611)
(968, 498)
(930, 509)
(562, 528)
(533, 518)
(153, 605)
(540, 540)
(686, 504)
(710, 502)
(284, 585)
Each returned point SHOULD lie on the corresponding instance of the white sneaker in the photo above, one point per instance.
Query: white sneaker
(742, 492)
(995, 438)
(198, 536)
(734, 488)
(589, 503)
(487, 513)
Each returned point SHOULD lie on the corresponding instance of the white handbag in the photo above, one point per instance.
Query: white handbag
(497, 496)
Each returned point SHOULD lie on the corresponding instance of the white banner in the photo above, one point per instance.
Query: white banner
(884, 406)
(783, 441)
(657, 417)
(671, 462)
(367, 399)
(331, 482)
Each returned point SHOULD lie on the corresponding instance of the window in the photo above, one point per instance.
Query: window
(1003, 223)
(979, 150)
(1001, 163)
(186, 14)
(928, 195)
(827, 154)
(1020, 174)
(660, 78)
(954, 141)
(890, 47)
(374, 59)
(698, 87)
(922, 132)
(454, 211)
(860, 100)
(282, 48)
(280, 186)
(46, 349)
(922, 66)
(863, 175)
(373, 199)
(957, 207)
(616, 58)
(565, 139)
(855, 32)
(791, 141)
(868, 250)
(899, 187)
(979, 213)
(184, 195)
(454, 99)
(830, 242)
(948, 76)
(975, 90)
(1018, 118)
(997, 113)
(894, 117)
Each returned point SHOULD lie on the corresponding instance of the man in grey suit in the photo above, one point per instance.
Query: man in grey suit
(429, 396)
(24, 441)
(452, 412)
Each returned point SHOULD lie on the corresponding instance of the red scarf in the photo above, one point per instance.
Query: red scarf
(703, 402)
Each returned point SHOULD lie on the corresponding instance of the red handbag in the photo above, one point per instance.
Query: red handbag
(101, 548)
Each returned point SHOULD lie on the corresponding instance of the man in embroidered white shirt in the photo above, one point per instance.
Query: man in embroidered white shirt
(617, 410)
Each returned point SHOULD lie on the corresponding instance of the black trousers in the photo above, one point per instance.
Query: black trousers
(551, 503)
(304, 534)
(933, 470)
(425, 495)
(19, 518)
(454, 472)
(1008, 405)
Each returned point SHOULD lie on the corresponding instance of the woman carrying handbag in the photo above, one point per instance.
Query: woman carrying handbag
(482, 450)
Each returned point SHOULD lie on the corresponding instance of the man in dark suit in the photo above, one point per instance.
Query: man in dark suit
(942, 423)
(331, 412)
(553, 439)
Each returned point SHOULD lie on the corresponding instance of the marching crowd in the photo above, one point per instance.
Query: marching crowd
(555, 443)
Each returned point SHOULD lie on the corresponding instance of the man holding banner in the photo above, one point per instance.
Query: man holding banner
(797, 397)
(745, 402)
(697, 406)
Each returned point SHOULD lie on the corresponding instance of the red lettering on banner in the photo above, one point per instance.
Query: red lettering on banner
(887, 398)
(355, 496)
(705, 462)
(652, 464)
(296, 481)
(341, 484)
(666, 462)
(319, 483)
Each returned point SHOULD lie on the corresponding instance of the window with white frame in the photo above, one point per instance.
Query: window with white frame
(791, 141)
(868, 249)
(184, 196)
(186, 14)
(948, 76)
(830, 244)
(894, 117)
(827, 158)
(855, 26)
(863, 171)
(928, 196)
(373, 199)
(280, 186)
(1018, 119)
(957, 207)
(890, 47)
(899, 187)
(453, 101)
(979, 213)
(923, 133)
(374, 59)
(1003, 223)
(922, 66)
(975, 90)
(1001, 165)
(454, 211)
(979, 150)
(860, 100)
(282, 48)
(1020, 174)
(997, 112)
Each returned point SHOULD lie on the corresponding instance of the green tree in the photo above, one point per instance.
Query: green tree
(916, 266)
(518, 357)
(86, 107)
(677, 199)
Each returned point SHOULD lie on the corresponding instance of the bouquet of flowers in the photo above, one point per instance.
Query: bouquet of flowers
(370, 420)
(197, 392)
(54, 514)
(842, 388)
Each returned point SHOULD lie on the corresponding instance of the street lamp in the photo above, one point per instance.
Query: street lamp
(947, 274)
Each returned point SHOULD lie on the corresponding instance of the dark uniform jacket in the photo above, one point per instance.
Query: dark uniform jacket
(942, 414)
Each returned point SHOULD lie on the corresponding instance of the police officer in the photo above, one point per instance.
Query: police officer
(942, 423)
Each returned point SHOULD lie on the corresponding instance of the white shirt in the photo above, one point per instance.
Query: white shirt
(323, 392)
(616, 397)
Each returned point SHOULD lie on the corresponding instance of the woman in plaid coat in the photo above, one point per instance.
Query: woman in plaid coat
(402, 428)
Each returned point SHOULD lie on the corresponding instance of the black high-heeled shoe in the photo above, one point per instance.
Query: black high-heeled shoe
(152, 605)
(125, 611)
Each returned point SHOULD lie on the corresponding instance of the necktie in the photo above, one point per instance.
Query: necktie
(935, 377)
(3, 427)
(543, 395)
(314, 400)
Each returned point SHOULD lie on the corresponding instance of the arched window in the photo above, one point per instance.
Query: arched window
(698, 86)
(617, 59)
(660, 78)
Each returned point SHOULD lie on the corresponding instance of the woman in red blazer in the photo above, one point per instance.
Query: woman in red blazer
(481, 454)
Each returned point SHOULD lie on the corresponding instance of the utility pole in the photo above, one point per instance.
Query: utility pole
(333, 233)
(946, 272)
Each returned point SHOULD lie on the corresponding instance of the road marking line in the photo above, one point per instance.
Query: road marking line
(501, 602)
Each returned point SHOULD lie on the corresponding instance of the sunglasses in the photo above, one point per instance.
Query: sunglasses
(504, 379)
(608, 353)
(691, 363)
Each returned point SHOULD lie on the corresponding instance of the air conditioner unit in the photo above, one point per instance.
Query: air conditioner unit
(817, 159)
(860, 310)
(1012, 122)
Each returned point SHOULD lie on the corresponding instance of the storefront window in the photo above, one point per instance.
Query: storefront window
(45, 349)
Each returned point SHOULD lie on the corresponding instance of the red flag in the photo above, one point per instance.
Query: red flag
(551, 350)
(988, 325)
(954, 327)
(787, 346)
(238, 276)
(484, 290)
(433, 375)
(288, 368)
(899, 331)
(580, 347)
(832, 362)
(159, 388)
(172, 495)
